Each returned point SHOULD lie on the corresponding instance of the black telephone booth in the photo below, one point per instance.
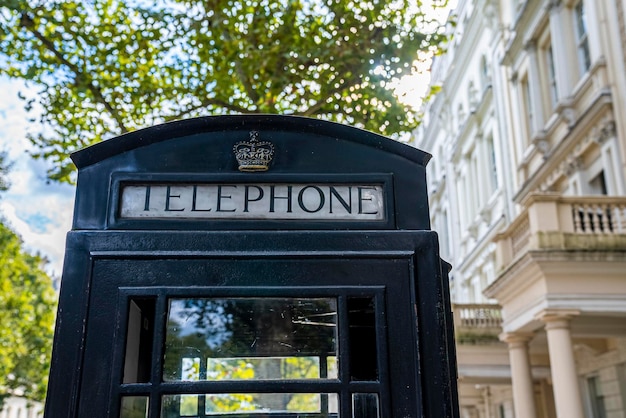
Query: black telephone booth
(252, 266)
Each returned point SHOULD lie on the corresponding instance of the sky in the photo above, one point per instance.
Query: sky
(38, 210)
(41, 211)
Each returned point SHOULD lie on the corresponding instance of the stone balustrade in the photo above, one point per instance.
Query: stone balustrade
(554, 222)
(477, 323)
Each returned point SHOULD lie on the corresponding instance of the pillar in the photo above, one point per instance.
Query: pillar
(521, 374)
(567, 396)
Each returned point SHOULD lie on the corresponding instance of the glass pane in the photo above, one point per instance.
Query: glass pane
(363, 352)
(365, 405)
(251, 338)
(134, 407)
(249, 403)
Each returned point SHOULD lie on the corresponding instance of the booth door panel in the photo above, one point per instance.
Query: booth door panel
(251, 338)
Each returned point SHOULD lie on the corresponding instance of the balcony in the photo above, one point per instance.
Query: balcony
(566, 223)
(477, 323)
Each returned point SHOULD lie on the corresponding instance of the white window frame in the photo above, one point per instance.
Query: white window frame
(596, 401)
(582, 37)
(528, 109)
(551, 72)
(492, 165)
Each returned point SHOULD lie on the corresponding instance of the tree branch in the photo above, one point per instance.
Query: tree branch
(312, 110)
(250, 91)
(208, 102)
(28, 23)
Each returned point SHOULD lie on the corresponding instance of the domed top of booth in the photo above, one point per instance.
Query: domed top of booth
(251, 172)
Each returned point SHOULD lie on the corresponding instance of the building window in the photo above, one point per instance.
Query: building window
(493, 171)
(474, 196)
(552, 87)
(596, 397)
(597, 185)
(461, 114)
(472, 95)
(441, 224)
(462, 203)
(518, 5)
(501, 411)
(528, 108)
(582, 40)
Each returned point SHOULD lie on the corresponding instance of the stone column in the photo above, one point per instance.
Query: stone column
(521, 374)
(567, 396)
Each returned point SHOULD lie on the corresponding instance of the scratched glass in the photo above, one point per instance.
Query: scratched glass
(251, 339)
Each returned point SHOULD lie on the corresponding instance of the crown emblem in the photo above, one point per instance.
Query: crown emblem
(253, 155)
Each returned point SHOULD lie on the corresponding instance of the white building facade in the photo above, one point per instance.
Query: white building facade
(527, 190)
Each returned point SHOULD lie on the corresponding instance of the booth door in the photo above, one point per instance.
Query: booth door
(302, 336)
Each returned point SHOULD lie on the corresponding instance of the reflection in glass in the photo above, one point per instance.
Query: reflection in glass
(251, 338)
(190, 368)
(248, 368)
(249, 403)
(134, 407)
(188, 405)
(139, 329)
(365, 405)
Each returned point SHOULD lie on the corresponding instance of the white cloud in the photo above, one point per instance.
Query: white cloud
(39, 211)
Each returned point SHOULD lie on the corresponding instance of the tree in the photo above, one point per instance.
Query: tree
(106, 67)
(27, 302)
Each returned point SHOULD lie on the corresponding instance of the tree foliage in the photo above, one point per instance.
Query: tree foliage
(105, 67)
(27, 302)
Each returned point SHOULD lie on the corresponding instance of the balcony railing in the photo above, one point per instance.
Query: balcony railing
(477, 323)
(551, 221)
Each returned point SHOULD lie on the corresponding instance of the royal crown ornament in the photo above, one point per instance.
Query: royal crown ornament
(254, 155)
